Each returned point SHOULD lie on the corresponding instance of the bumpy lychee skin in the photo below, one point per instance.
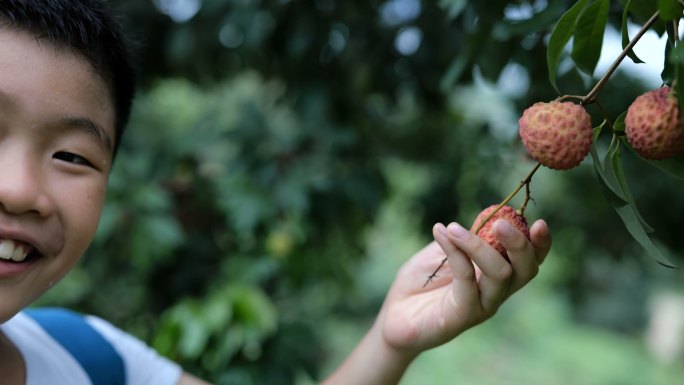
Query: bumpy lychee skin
(556, 134)
(653, 126)
(506, 212)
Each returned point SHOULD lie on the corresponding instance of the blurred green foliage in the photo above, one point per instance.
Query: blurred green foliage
(285, 157)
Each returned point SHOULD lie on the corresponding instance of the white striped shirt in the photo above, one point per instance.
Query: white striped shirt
(48, 362)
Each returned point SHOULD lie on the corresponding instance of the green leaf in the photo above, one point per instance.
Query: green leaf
(679, 90)
(672, 166)
(597, 131)
(642, 10)
(669, 71)
(636, 230)
(677, 54)
(677, 57)
(454, 8)
(611, 190)
(560, 36)
(669, 9)
(614, 169)
(625, 34)
(460, 62)
(255, 309)
(624, 209)
(619, 124)
(194, 336)
(162, 230)
(538, 22)
(588, 36)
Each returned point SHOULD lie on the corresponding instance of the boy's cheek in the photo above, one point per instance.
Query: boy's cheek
(80, 218)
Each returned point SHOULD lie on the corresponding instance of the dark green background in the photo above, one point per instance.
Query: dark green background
(284, 158)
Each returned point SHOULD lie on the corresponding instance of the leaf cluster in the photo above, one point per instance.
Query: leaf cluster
(585, 23)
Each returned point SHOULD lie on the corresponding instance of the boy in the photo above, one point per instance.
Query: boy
(66, 85)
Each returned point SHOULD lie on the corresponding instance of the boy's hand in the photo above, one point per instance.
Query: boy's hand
(466, 291)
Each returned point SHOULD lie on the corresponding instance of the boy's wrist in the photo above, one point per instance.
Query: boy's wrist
(374, 361)
(394, 358)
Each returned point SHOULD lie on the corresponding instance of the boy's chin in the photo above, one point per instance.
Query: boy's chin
(9, 310)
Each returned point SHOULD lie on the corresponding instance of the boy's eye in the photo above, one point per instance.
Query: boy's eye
(72, 158)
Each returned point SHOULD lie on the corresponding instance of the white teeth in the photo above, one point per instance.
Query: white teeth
(19, 254)
(6, 249)
(10, 250)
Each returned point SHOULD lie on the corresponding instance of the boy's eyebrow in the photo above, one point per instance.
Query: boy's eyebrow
(85, 124)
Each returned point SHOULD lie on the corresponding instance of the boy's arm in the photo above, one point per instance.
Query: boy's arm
(415, 317)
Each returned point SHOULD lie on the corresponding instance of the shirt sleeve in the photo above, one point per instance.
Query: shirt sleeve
(144, 366)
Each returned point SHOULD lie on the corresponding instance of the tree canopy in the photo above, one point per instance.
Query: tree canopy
(279, 149)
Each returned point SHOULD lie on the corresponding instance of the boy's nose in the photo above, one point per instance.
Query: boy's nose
(22, 187)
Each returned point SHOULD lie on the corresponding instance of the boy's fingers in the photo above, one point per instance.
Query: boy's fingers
(541, 239)
(464, 288)
(462, 268)
(520, 251)
(479, 251)
(494, 280)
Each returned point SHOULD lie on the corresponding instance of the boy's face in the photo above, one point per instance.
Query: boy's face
(56, 132)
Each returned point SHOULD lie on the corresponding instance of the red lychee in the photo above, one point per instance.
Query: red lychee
(506, 212)
(556, 134)
(653, 126)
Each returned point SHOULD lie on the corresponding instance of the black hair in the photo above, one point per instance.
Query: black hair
(88, 28)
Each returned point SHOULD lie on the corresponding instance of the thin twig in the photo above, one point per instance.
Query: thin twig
(566, 97)
(528, 198)
(675, 28)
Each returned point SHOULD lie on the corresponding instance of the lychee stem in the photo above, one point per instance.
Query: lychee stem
(675, 36)
(528, 198)
(524, 182)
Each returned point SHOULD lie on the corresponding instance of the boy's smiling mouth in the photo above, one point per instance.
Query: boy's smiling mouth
(14, 250)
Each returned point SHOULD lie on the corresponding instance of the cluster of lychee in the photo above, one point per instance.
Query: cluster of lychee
(559, 134)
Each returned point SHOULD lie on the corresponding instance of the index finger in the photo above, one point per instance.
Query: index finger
(495, 278)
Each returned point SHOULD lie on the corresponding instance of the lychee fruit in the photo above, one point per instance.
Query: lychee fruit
(653, 126)
(486, 232)
(556, 134)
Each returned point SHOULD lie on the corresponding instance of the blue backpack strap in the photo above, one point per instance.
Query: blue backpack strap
(93, 352)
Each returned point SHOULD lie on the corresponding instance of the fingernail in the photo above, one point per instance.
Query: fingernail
(457, 230)
(504, 228)
(544, 231)
(441, 230)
